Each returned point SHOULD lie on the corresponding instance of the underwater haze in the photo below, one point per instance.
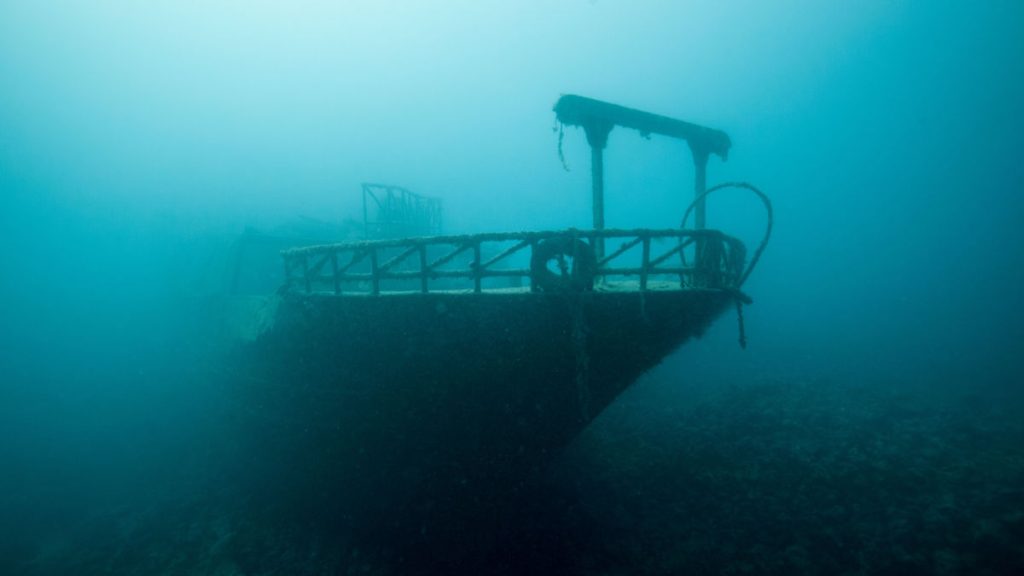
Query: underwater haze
(874, 423)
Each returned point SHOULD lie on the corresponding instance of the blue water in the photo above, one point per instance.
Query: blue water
(872, 425)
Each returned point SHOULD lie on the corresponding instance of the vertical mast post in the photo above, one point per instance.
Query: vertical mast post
(700, 185)
(597, 136)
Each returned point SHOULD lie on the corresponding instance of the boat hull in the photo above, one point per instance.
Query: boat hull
(405, 410)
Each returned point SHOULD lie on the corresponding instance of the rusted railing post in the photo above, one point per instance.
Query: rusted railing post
(334, 272)
(477, 272)
(645, 262)
(424, 271)
(533, 281)
(374, 271)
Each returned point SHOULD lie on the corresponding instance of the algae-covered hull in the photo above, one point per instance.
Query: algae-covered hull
(413, 399)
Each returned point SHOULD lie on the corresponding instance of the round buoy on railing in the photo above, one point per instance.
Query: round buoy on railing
(563, 264)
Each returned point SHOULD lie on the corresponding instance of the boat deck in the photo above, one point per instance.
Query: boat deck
(624, 286)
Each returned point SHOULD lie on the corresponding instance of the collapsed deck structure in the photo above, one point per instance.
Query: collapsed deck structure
(443, 370)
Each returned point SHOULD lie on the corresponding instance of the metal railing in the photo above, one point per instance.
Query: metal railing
(549, 261)
(392, 211)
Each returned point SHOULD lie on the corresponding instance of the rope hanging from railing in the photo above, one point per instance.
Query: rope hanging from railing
(757, 253)
(768, 228)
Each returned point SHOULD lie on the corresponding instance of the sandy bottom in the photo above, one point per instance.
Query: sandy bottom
(773, 477)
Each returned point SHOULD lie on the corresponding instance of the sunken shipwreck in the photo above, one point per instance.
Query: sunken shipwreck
(411, 383)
